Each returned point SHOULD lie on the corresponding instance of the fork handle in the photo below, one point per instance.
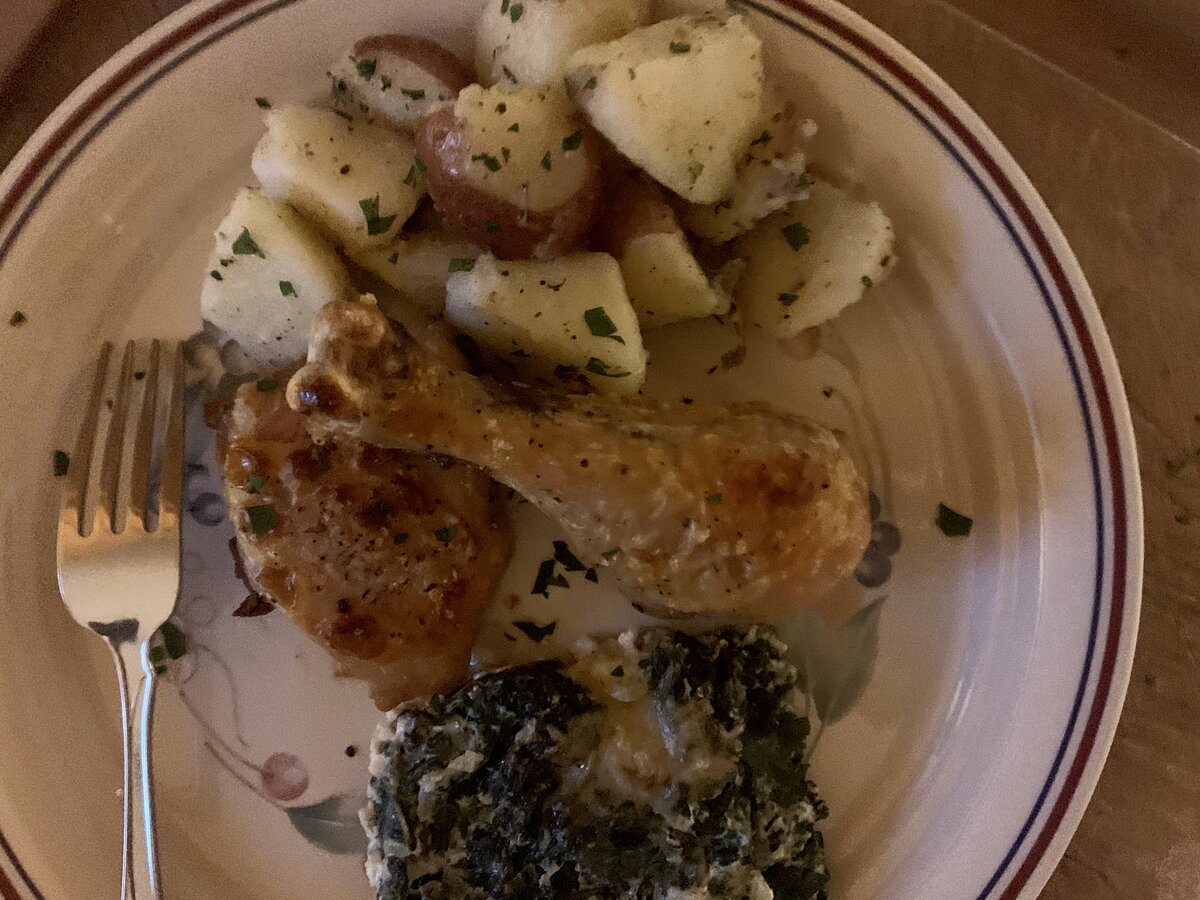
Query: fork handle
(140, 878)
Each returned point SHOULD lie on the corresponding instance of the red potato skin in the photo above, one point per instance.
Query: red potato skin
(468, 210)
(429, 55)
(635, 206)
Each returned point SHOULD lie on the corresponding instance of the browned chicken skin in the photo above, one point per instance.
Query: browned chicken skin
(386, 558)
(701, 508)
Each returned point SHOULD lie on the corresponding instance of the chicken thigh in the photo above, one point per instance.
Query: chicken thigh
(388, 559)
(692, 508)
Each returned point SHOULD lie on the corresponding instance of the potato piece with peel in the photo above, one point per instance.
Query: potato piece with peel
(528, 41)
(807, 263)
(417, 266)
(566, 319)
(516, 170)
(400, 77)
(680, 98)
(664, 281)
(269, 273)
(359, 182)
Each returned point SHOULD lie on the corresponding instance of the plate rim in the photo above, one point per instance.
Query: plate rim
(70, 127)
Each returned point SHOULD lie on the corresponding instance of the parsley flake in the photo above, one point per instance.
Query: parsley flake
(411, 178)
(714, 498)
(445, 535)
(590, 84)
(491, 226)
(245, 245)
(764, 138)
(504, 7)
(366, 68)
(694, 169)
(287, 289)
(611, 552)
(952, 523)
(263, 102)
(603, 369)
(255, 484)
(546, 161)
(795, 234)
(680, 46)
(413, 93)
(572, 141)
(376, 224)
(62, 463)
(867, 282)
(216, 275)
(394, 258)
(516, 11)
(600, 325)
(515, 127)
(262, 518)
(533, 631)
(17, 319)
(508, 74)
(266, 385)
(488, 160)
(787, 298)
(618, 672)
(461, 265)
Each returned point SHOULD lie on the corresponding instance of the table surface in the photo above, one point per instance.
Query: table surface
(1097, 101)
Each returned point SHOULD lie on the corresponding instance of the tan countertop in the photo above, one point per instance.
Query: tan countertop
(1100, 103)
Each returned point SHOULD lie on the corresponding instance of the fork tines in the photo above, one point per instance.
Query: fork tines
(127, 460)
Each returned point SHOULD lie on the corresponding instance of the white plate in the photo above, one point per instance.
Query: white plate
(978, 375)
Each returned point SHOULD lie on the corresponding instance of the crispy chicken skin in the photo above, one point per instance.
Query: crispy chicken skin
(693, 509)
(386, 558)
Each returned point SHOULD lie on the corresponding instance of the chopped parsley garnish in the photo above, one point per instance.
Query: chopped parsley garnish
(508, 74)
(461, 264)
(502, 108)
(546, 161)
(867, 282)
(600, 325)
(714, 498)
(632, 73)
(618, 672)
(488, 160)
(255, 484)
(385, 83)
(600, 367)
(572, 141)
(695, 169)
(17, 319)
(505, 152)
(515, 127)
(590, 83)
(491, 226)
(366, 68)
(680, 47)
(287, 289)
(611, 552)
(420, 164)
(263, 102)
(411, 178)
(504, 7)
(564, 372)
(568, 560)
(445, 535)
(787, 298)
(226, 261)
(413, 93)
(394, 258)
(266, 385)
(215, 274)
(62, 463)
(262, 518)
(952, 523)
(547, 578)
(533, 631)
(515, 12)
(376, 224)
(795, 234)
(245, 245)
(763, 138)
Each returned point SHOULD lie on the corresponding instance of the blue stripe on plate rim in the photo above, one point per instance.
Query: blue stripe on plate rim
(858, 43)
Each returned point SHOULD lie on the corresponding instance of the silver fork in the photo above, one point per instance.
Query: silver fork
(118, 556)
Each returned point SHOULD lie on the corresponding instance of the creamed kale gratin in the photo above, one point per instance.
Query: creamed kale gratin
(654, 765)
